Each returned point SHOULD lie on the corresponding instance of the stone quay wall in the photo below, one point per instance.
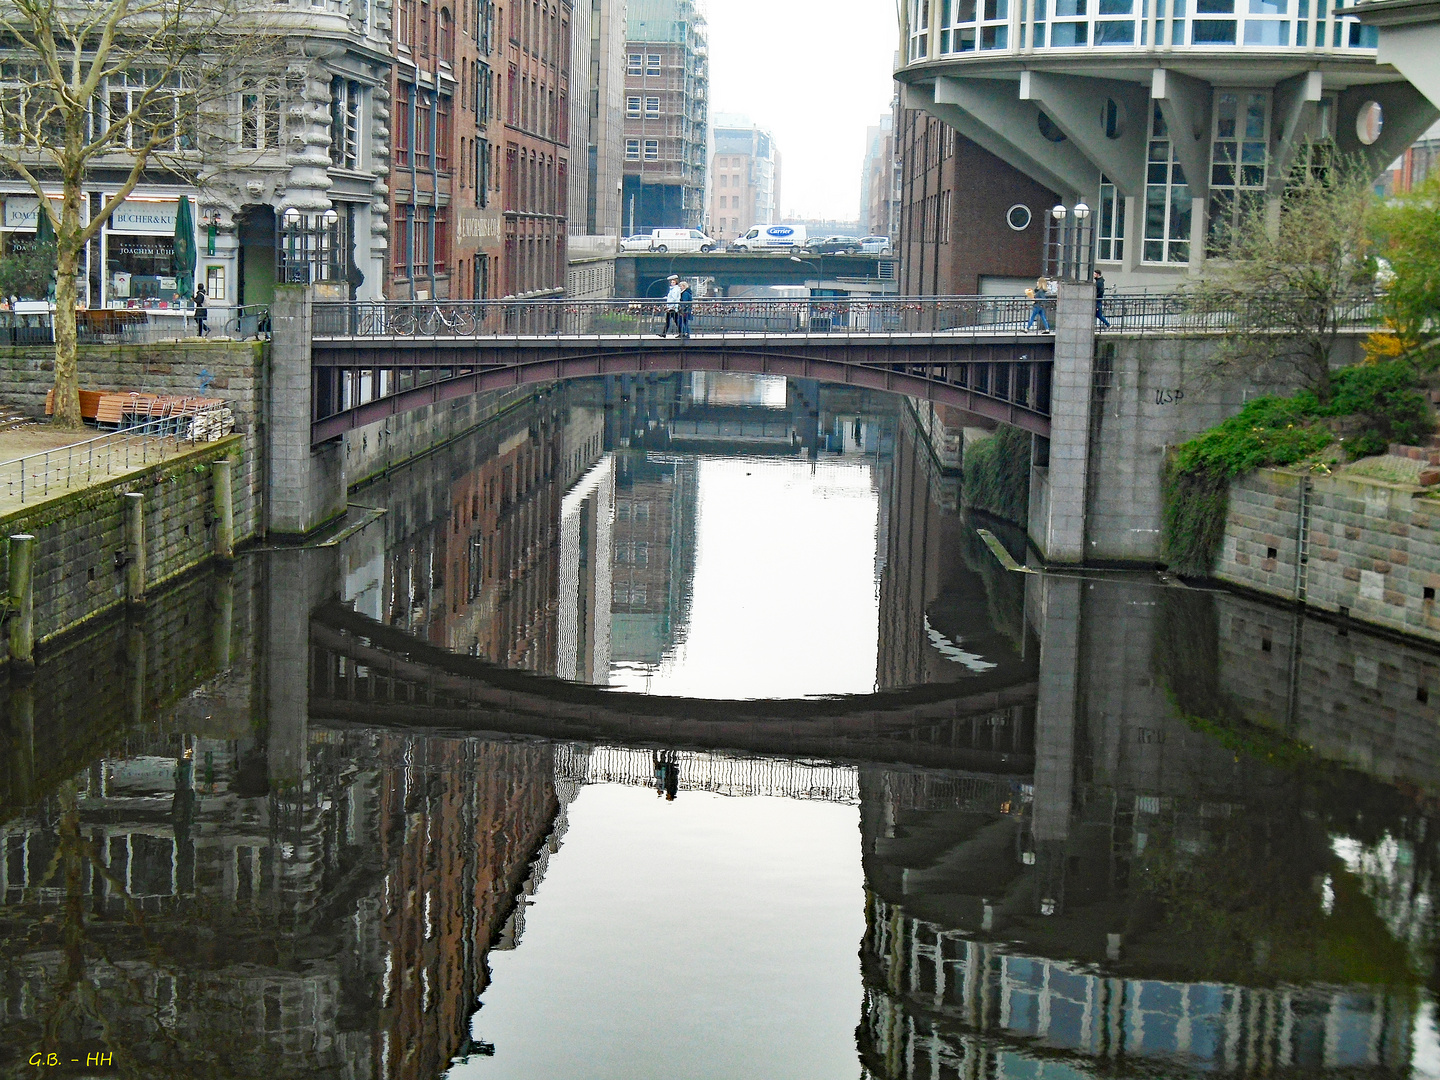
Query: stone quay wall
(1373, 546)
(232, 370)
(79, 570)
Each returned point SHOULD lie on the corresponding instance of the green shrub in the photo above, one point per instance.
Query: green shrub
(1376, 403)
(996, 474)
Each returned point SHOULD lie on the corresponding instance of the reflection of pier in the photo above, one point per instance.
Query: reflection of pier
(940, 1004)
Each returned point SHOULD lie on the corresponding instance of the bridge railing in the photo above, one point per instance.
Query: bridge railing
(741, 317)
(1182, 312)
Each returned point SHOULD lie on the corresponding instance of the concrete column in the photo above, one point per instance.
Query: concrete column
(304, 488)
(1057, 525)
(134, 547)
(224, 509)
(22, 598)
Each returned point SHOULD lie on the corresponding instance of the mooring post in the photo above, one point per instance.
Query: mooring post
(22, 598)
(224, 509)
(134, 547)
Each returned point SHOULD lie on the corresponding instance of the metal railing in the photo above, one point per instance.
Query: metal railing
(1182, 312)
(65, 468)
(1169, 312)
(731, 317)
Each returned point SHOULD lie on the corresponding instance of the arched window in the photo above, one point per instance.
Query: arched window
(447, 36)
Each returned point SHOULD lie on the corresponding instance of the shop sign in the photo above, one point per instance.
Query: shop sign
(144, 217)
(475, 229)
(21, 211)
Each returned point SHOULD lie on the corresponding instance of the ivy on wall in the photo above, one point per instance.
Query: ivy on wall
(996, 473)
(1371, 406)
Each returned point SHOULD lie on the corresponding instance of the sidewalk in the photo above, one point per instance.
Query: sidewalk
(58, 462)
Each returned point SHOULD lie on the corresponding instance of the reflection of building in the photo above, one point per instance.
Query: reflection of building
(585, 575)
(666, 116)
(654, 555)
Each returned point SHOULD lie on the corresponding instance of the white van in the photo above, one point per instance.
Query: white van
(680, 240)
(770, 238)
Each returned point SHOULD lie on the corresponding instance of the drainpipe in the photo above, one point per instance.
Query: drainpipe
(434, 170)
(414, 129)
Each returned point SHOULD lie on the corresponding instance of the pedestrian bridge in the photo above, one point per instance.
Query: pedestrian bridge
(374, 360)
(366, 672)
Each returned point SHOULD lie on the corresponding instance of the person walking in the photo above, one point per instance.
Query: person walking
(201, 315)
(1039, 294)
(1099, 300)
(672, 306)
(687, 306)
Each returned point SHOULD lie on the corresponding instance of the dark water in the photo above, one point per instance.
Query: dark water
(676, 728)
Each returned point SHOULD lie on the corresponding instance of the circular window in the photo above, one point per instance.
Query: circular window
(1018, 217)
(1369, 121)
(1048, 128)
(1112, 118)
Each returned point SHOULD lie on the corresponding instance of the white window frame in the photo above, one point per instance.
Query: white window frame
(652, 149)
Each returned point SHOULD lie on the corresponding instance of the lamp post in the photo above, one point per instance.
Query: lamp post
(1068, 237)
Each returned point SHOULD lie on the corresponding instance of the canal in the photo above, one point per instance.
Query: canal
(686, 726)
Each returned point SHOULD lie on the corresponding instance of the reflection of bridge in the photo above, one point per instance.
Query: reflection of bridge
(375, 360)
(363, 671)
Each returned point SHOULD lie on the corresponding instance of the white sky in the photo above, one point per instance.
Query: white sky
(816, 73)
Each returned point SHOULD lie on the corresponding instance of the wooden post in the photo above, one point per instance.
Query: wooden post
(135, 547)
(22, 598)
(224, 509)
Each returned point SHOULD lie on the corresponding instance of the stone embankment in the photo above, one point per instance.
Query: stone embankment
(1363, 542)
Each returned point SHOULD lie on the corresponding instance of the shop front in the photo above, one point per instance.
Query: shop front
(138, 249)
(17, 239)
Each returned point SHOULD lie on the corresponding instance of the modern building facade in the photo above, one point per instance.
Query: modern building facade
(1165, 121)
(1420, 161)
(666, 107)
(744, 178)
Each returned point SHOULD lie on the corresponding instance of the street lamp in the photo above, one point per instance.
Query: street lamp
(1068, 242)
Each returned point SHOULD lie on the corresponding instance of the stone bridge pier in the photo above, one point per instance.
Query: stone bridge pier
(306, 487)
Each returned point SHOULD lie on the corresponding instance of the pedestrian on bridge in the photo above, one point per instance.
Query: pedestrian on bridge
(1099, 301)
(1039, 294)
(687, 306)
(672, 306)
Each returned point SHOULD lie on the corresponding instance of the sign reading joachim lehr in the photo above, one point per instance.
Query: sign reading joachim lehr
(476, 228)
(21, 211)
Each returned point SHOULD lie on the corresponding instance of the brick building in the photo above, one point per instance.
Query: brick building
(666, 116)
(952, 189)
(880, 181)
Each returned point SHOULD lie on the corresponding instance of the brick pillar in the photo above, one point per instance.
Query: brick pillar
(1058, 489)
(304, 488)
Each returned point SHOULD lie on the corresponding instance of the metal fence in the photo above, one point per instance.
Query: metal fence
(736, 317)
(132, 326)
(1181, 312)
(64, 468)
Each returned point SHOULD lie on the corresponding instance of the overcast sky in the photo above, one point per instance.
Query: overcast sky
(817, 74)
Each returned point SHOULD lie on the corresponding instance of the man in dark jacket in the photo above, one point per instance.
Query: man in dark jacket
(687, 304)
(1099, 294)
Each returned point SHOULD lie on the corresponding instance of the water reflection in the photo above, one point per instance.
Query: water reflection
(329, 813)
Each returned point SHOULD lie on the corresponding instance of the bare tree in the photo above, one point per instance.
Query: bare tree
(1286, 287)
(133, 86)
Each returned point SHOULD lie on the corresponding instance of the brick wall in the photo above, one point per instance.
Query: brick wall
(1374, 546)
(78, 536)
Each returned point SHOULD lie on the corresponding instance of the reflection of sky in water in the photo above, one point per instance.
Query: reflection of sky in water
(708, 937)
(785, 598)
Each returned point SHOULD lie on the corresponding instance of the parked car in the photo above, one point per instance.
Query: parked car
(681, 240)
(640, 241)
(770, 238)
(875, 245)
(834, 245)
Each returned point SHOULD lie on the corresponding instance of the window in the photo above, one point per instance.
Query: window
(944, 223)
(1239, 149)
(400, 251)
(406, 29)
(1110, 223)
(632, 149)
(424, 108)
(975, 24)
(447, 36)
(636, 64)
(345, 123)
(652, 64)
(215, 282)
(652, 107)
(724, 180)
(652, 149)
(402, 123)
(259, 115)
(632, 105)
(442, 239)
(424, 29)
(919, 26)
(442, 133)
(1167, 200)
